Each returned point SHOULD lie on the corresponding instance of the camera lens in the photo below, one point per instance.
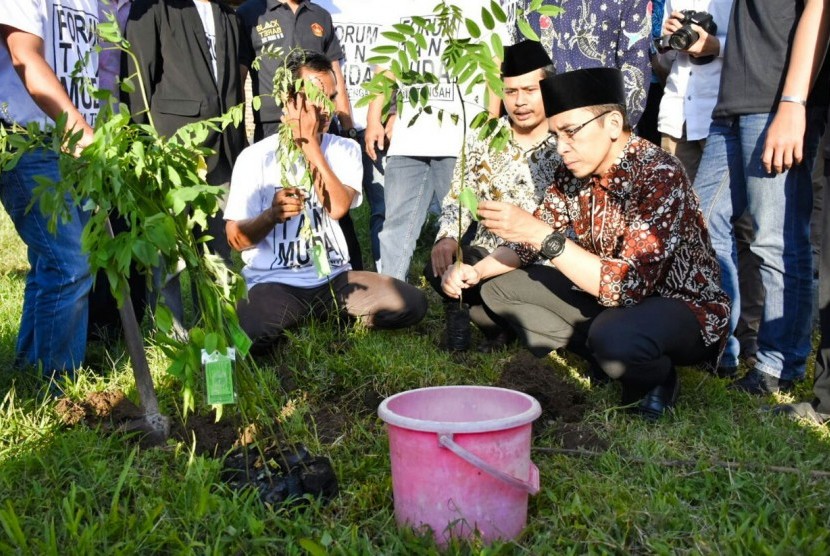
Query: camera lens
(683, 38)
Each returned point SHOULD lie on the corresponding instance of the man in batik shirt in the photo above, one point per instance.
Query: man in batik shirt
(635, 287)
(518, 174)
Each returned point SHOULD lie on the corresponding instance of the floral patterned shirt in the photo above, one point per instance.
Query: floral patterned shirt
(601, 34)
(643, 220)
(514, 175)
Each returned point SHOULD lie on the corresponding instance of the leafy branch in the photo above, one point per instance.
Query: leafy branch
(158, 186)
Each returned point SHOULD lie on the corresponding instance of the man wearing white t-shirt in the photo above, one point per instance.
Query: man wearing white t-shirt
(358, 27)
(43, 42)
(266, 222)
(421, 156)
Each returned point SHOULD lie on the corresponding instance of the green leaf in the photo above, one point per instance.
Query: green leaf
(175, 179)
(256, 102)
(312, 547)
(472, 28)
(497, 45)
(377, 60)
(241, 341)
(109, 32)
(127, 86)
(385, 49)
(498, 12)
(164, 318)
(320, 258)
(526, 29)
(487, 19)
(393, 36)
(467, 199)
(550, 11)
(211, 342)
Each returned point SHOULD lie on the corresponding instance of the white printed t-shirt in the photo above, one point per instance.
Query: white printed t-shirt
(358, 26)
(283, 255)
(68, 29)
(429, 137)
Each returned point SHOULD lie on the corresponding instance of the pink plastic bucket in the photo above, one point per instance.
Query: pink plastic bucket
(461, 459)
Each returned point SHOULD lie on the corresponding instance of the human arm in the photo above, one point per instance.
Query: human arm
(304, 119)
(453, 219)
(517, 226)
(705, 45)
(244, 234)
(342, 104)
(457, 278)
(376, 133)
(27, 55)
(784, 143)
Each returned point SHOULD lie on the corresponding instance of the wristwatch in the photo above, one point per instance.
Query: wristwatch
(351, 133)
(553, 245)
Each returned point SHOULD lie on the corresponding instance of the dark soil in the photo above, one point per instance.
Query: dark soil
(561, 399)
(578, 436)
(213, 439)
(109, 409)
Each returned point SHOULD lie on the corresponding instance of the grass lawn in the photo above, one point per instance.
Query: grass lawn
(82, 490)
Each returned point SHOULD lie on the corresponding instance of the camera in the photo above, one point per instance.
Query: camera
(685, 37)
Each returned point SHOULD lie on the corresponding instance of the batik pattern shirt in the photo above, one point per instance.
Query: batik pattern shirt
(643, 220)
(602, 34)
(513, 175)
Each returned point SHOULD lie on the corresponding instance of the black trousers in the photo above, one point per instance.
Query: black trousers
(638, 345)
(821, 387)
(376, 300)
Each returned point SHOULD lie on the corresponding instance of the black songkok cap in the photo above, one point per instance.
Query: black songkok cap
(581, 88)
(524, 57)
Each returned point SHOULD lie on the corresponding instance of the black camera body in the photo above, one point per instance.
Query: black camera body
(685, 37)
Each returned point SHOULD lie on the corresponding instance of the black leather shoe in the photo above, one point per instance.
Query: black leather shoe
(801, 411)
(660, 398)
(760, 384)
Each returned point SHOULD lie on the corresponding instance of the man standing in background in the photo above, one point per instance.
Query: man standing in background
(39, 82)
(758, 159)
(357, 26)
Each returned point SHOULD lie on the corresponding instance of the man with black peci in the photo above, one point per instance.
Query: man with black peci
(635, 285)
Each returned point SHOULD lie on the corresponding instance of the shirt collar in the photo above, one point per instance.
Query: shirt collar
(617, 179)
(543, 142)
(276, 4)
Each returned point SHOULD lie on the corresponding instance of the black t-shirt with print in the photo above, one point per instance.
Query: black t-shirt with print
(270, 24)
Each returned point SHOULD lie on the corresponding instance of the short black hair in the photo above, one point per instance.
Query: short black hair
(598, 109)
(313, 61)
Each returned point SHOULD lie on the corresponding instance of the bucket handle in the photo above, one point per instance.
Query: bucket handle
(531, 486)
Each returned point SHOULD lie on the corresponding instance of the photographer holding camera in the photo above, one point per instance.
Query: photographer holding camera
(692, 41)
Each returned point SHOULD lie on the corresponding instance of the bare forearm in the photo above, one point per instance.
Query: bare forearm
(333, 194)
(580, 266)
(26, 51)
(809, 46)
(498, 262)
(244, 234)
(342, 103)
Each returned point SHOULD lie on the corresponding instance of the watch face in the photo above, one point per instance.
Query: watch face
(351, 133)
(553, 245)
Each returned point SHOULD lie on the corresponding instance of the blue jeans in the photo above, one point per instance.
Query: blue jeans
(731, 181)
(373, 179)
(54, 322)
(411, 183)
